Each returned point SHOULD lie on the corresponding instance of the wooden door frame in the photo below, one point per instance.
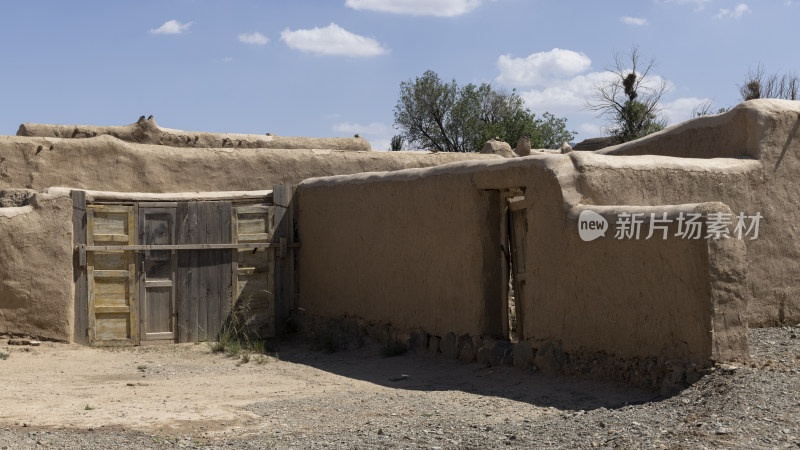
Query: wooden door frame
(517, 205)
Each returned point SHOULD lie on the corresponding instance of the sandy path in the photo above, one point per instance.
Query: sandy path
(141, 388)
(187, 388)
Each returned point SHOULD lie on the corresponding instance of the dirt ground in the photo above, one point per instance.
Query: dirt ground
(68, 396)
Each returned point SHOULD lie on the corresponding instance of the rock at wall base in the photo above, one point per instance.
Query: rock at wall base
(418, 341)
(434, 344)
(502, 354)
(466, 349)
(484, 355)
(523, 354)
(449, 346)
(550, 358)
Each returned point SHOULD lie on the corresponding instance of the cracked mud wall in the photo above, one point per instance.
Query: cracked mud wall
(36, 288)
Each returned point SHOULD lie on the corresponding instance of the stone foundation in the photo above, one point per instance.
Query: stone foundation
(654, 373)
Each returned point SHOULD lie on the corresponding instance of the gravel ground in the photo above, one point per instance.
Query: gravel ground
(361, 400)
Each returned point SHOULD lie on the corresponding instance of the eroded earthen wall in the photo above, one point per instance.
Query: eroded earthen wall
(108, 164)
(764, 135)
(36, 287)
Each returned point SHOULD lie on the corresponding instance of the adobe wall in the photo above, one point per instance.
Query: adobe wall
(36, 288)
(147, 131)
(110, 164)
(411, 248)
(657, 304)
(764, 179)
(419, 249)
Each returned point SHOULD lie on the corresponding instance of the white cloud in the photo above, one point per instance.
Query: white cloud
(567, 95)
(734, 13)
(538, 68)
(381, 145)
(570, 95)
(681, 109)
(636, 21)
(332, 40)
(172, 27)
(590, 129)
(253, 38)
(372, 129)
(378, 134)
(440, 8)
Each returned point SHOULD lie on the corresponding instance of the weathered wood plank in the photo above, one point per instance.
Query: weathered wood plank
(213, 234)
(226, 267)
(80, 332)
(202, 263)
(291, 275)
(182, 272)
(284, 266)
(194, 277)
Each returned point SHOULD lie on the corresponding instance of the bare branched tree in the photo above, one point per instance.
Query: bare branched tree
(630, 101)
(759, 84)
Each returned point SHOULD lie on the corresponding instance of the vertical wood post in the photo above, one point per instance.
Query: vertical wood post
(80, 279)
(285, 288)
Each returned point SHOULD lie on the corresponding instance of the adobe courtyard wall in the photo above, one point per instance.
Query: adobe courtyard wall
(657, 304)
(420, 250)
(147, 131)
(763, 178)
(106, 163)
(404, 248)
(36, 277)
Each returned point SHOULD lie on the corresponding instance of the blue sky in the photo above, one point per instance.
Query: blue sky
(333, 68)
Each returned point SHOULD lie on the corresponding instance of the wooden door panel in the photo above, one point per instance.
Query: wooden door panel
(254, 270)
(157, 227)
(111, 276)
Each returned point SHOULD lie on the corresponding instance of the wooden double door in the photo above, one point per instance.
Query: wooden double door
(176, 271)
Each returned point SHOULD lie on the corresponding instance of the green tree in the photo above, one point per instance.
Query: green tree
(397, 143)
(439, 116)
(630, 100)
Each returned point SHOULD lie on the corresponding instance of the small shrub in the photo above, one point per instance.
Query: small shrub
(141, 367)
(393, 349)
(234, 337)
(87, 408)
(4, 356)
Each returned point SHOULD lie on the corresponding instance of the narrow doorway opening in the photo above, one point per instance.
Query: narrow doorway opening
(514, 228)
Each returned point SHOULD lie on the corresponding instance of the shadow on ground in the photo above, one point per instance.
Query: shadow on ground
(425, 372)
